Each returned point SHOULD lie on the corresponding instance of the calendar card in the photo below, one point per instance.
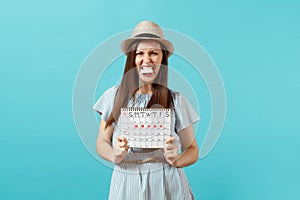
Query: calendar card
(145, 127)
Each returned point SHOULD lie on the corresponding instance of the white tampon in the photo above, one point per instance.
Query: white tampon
(146, 70)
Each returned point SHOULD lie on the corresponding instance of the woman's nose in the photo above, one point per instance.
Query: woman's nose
(147, 59)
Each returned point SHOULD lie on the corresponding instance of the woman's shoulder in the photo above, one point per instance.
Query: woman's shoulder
(105, 102)
(111, 91)
(175, 94)
(113, 88)
(108, 94)
(179, 100)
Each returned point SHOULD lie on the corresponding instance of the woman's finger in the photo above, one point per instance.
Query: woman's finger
(122, 143)
(171, 154)
(170, 146)
(170, 140)
(122, 138)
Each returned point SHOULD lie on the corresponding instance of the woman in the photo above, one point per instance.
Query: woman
(147, 173)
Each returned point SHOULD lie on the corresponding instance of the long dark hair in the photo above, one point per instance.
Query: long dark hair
(162, 97)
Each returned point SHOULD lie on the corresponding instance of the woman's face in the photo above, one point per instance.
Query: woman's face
(148, 59)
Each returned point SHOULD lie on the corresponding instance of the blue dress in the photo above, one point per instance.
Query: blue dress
(151, 180)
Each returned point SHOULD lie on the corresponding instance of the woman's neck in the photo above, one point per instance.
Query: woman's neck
(145, 89)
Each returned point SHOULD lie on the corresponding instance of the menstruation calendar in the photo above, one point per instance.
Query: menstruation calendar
(145, 127)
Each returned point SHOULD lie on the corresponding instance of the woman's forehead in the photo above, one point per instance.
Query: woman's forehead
(148, 44)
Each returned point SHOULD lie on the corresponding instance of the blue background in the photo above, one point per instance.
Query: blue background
(255, 45)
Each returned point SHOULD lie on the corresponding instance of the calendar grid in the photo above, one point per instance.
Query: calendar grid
(145, 127)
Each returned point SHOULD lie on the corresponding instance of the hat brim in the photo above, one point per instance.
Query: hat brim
(127, 43)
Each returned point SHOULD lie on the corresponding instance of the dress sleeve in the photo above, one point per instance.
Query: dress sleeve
(105, 103)
(185, 114)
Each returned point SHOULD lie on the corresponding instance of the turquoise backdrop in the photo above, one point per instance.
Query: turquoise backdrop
(255, 45)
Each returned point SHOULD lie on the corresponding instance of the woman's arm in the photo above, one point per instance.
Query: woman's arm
(104, 146)
(189, 153)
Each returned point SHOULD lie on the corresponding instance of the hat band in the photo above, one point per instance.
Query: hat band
(147, 35)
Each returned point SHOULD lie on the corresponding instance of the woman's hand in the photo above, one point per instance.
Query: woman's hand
(120, 149)
(171, 151)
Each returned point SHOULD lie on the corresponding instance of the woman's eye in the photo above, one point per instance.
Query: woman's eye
(154, 53)
(138, 53)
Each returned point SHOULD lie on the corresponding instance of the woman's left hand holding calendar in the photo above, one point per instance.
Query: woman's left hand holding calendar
(112, 152)
(120, 149)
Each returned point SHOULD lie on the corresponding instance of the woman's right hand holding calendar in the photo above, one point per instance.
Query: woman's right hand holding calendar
(120, 149)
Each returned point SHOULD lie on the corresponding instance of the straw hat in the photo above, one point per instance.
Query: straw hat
(147, 30)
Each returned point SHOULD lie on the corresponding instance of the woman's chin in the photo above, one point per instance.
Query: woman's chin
(147, 78)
